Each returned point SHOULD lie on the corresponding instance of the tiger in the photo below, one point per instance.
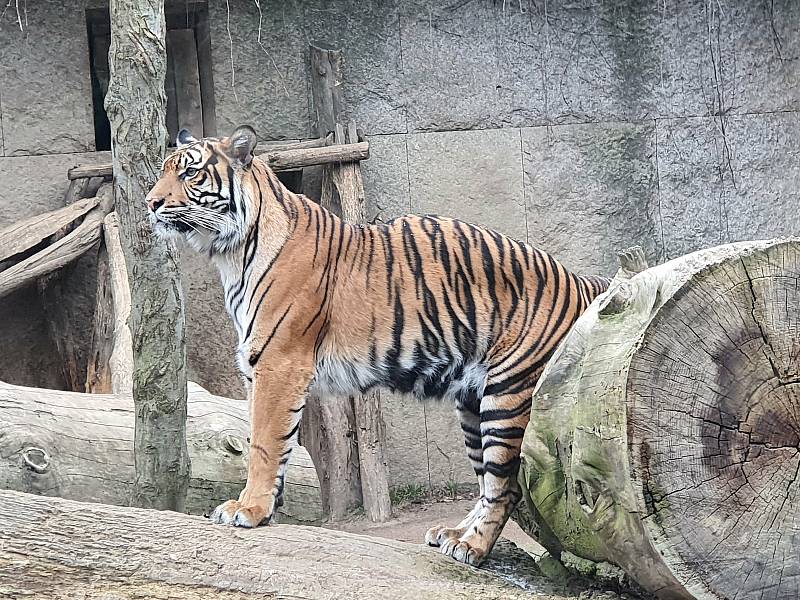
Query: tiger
(423, 305)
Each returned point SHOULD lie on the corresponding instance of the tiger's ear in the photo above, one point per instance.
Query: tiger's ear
(185, 138)
(242, 144)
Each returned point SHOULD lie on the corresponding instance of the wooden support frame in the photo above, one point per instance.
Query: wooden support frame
(290, 156)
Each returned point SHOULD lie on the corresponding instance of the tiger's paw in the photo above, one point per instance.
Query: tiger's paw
(438, 535)
(463, 551)
(234, 513)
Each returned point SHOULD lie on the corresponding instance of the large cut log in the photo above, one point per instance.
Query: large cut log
(665, 430)
(80, 446)
(54, 548)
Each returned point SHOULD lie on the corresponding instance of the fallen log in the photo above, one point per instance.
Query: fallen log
(296, 156)
(665, 429)
(54, 548)
(63, 251)
(80, 446)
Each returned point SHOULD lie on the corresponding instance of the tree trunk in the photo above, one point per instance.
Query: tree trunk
(80, 447)
(135, 104)
(664, 431)
(54, 548)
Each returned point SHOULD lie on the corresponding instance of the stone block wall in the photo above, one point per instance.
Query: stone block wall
(580, 127)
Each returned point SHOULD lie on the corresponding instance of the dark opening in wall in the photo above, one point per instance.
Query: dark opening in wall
(189, 83)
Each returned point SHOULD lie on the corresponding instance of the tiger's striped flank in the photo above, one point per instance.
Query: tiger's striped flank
(423, 305)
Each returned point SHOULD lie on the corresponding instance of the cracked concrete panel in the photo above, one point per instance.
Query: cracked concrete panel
(475, 176)
(693, 184)
(729, 58)
(46, 84)
(424, 442)
(368, 33)
(591, 191)
(728, 180)
(260, 84)
(450, 66)
(447, 454)
(766, 172)
(576, 62)
(385, 175)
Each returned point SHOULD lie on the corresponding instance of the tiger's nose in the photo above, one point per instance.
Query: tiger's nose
(155, 203)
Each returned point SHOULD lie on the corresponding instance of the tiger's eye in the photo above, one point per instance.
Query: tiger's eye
(190, 172)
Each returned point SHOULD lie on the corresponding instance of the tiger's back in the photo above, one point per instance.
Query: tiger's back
(425, 305)
(438, 308)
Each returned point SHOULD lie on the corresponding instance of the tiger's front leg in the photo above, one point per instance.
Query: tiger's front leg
(276, 407)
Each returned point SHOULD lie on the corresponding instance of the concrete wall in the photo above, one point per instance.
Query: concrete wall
(582, 129)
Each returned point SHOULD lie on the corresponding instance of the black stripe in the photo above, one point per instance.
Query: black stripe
(254, 359)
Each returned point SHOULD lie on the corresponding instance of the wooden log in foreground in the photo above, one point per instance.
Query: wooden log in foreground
(80, 446)
(278, 160)
(665, 430)
(55, 548)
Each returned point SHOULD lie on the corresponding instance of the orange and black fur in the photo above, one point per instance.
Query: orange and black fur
(429, 306)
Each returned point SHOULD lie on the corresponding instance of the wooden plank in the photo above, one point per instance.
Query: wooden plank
(187, 80)
(61, 253)
(278, 160)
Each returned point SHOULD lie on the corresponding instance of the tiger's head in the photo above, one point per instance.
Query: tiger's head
(200, 195)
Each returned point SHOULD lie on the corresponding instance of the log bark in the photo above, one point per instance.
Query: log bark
(135, 104)
(284, 158)
(64, 251)
(664, 430)
(54, 548)
(80, 447)
(346, 183)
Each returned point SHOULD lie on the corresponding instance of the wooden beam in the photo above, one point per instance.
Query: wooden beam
(61, 253)
(292, 157)
(20, 238)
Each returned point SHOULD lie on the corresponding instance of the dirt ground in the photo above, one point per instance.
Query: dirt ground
(411, 521)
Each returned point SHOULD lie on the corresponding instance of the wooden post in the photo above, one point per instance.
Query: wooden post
(135, 104)
(343, 186)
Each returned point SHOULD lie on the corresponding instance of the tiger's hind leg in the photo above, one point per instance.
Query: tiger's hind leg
(502, 424)
(469, 415)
